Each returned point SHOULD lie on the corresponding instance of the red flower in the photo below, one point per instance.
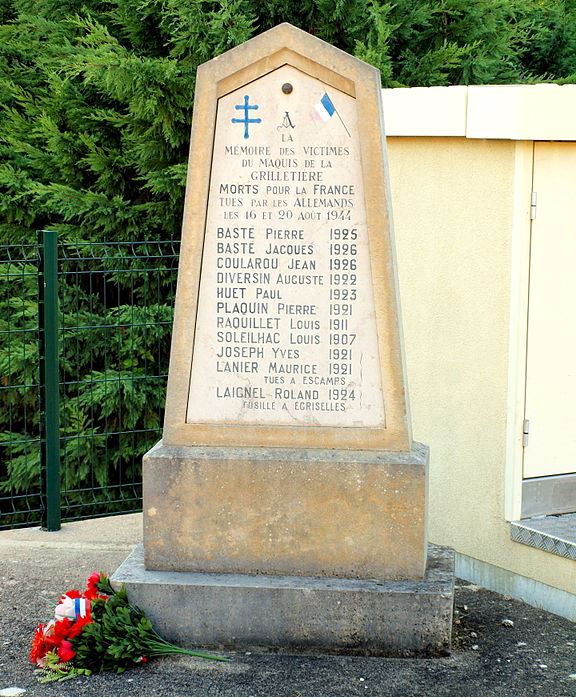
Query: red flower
(71, 594)
(46, 637)
(93, 579)
(41, 644)
(65, 651)
(56, 635)
(60, 630)
(91, 591)
(78, 626)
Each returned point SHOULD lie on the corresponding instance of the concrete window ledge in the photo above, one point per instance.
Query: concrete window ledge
(555, 534)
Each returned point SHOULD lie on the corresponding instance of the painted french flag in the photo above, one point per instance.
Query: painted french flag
(325, 109)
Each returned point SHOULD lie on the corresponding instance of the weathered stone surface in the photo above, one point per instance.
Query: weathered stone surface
(312, 327)
(289, 613)
(300, 512)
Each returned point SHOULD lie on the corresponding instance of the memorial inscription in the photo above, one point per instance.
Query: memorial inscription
(286, 326)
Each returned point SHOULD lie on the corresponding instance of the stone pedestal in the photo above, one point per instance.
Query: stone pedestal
(294, 550)
(296, 512)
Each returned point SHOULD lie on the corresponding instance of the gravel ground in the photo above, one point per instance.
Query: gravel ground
(534, 656)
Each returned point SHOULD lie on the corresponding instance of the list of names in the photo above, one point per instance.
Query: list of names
(286, 326)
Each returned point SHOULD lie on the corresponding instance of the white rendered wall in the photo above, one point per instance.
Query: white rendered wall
(454, 212)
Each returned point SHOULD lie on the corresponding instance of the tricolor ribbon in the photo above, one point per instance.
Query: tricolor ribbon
(80, 607)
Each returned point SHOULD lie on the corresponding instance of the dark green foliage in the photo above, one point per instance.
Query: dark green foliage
(95, 111)
(97, 97)
(19, 374)
(550, 48)
(117, 637)
(116, 313)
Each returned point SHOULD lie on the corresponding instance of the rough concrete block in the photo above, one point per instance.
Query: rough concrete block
(298, 614)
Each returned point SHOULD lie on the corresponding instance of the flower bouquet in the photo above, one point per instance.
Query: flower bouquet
(97, 630)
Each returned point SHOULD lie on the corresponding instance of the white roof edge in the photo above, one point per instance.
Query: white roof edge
(509, 112)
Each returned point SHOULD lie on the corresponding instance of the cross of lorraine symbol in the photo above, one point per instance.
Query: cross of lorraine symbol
(246, 120)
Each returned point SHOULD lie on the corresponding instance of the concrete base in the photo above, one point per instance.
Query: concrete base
(298, 614)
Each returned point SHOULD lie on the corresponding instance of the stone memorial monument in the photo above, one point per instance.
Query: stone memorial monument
(285, 506)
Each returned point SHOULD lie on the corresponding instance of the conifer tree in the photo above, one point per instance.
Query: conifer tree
(96, 99)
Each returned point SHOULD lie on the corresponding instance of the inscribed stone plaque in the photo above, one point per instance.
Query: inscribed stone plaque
(286, 329)
(286, 324)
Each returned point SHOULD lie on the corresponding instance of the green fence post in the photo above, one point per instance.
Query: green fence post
(49, 379)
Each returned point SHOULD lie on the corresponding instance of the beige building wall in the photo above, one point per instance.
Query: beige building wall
(454, 212)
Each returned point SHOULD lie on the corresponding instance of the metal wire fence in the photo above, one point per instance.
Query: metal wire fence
(20, 441)
(95, 361)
